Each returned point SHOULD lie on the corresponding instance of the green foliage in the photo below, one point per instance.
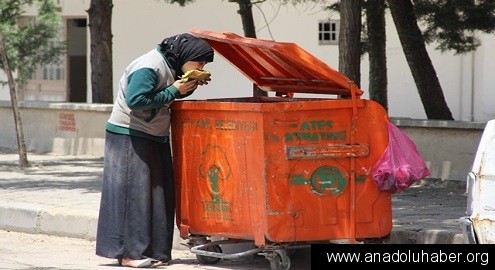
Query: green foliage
(452, 23)
(32, 44)
(10, 10)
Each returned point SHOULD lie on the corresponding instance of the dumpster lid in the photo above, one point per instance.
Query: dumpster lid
(279, 66)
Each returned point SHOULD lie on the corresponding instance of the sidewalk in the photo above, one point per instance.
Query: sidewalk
(59, 195)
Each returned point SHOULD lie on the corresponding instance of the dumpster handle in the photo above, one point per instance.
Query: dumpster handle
(352, 204)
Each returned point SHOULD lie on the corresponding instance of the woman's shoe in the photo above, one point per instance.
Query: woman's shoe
(161, 263)
(142, 263)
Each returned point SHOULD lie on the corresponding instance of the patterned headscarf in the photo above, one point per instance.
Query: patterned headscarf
(185, 47)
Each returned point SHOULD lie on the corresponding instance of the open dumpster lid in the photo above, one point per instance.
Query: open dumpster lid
(279, 66)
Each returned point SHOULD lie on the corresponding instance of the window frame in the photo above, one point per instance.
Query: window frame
(328, 35)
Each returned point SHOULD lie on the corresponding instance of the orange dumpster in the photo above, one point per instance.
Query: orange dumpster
(282, 172)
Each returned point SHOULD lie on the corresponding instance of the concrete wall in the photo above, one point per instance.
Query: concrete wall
(448, 147)
(59, 128)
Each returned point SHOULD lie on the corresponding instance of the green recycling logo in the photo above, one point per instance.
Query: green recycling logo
(328, 179)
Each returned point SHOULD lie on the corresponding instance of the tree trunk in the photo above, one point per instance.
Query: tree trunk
(422, 69)
(100, 22)
(23, 161)
(375, 21)
(246, 12)
(350, 40)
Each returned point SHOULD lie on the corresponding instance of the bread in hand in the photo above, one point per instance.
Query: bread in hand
(195, 74)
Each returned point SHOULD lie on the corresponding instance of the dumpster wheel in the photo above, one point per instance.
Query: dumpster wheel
(278, 259)
(207, 259)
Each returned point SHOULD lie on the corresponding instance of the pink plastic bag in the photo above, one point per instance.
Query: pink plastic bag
(401, 164)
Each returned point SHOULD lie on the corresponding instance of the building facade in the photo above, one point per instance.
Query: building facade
(138, 26)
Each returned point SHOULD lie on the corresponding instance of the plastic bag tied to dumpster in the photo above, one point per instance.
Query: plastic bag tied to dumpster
(401, 164)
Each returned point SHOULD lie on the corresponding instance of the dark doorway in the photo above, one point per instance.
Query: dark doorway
(77, 60)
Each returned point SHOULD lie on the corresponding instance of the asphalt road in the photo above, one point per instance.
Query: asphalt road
(22, 251)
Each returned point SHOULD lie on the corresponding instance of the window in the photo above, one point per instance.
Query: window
(328, 32)
(48, 82)
(53, 71)
(48, 72)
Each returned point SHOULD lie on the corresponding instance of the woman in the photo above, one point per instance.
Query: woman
(136, 218)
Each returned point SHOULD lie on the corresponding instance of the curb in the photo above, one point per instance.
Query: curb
(409, 236)
(68, 223)
(55, 221)
(63, 222)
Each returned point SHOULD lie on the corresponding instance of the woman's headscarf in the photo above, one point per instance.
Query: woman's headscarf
(185, 47)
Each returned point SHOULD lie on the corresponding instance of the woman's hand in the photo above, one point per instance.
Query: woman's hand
(191, 85)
